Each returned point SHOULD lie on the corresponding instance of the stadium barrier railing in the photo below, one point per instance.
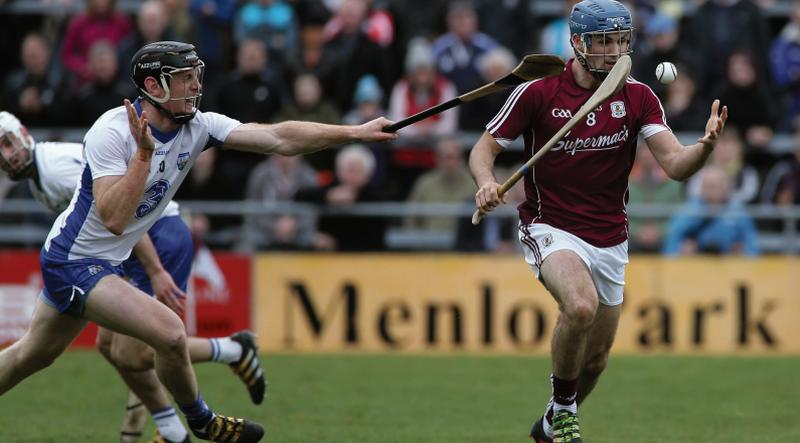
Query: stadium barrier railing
(784, 239)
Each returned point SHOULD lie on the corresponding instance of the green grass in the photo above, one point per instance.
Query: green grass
(392, 398)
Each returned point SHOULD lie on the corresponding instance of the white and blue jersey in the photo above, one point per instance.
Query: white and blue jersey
(59, 167)
(79, 250)
(79, 231)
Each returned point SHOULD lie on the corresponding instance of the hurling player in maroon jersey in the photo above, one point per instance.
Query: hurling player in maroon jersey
(573, 224)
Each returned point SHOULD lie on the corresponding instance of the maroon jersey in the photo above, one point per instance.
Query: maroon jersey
(581, 185)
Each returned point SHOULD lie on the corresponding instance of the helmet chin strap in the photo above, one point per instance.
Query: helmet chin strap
(581, 56)
(158, 102)
(179, 118)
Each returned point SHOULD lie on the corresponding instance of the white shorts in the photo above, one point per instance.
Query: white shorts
(607, 265)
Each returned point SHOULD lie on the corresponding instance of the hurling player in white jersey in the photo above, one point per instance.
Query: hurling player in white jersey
(160, 267)
(136, 157)
(573, 225)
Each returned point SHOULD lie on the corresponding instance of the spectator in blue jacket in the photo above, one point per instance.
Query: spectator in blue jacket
(714, 223)
(271, 21)
(785, 64)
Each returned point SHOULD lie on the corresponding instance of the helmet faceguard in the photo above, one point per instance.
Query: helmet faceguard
(177, 69)
(16, 147)
(600, 24)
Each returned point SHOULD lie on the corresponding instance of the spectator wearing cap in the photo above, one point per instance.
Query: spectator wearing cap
(367, 99)
(368, 102)
(420, 88)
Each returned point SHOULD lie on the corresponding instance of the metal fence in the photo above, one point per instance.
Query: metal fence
(783, 238)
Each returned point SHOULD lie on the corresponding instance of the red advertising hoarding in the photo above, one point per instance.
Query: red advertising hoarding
(221, 286)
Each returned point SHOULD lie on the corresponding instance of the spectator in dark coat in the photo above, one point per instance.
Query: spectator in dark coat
(36, 93)
(354, 167)
(105, 90)
(349, 54)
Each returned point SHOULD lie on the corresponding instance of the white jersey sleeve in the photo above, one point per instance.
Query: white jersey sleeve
(58, 167)
(219, 127)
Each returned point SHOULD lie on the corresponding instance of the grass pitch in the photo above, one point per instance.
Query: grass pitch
(437, 399)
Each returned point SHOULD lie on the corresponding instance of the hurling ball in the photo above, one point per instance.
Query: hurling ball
(666, 72)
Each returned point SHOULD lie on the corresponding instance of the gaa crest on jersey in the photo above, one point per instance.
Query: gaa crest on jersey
(618, 109)
(152, 197)
(183, 159)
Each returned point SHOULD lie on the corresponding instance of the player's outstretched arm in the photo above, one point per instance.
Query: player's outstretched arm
(295, 138)
(481, 164)
(681, 162)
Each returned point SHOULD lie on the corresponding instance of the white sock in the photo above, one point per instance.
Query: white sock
(169, 425)
(572, 407)
(225, 350)
(546, 425)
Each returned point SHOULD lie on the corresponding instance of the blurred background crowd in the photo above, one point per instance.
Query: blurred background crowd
(347, 61)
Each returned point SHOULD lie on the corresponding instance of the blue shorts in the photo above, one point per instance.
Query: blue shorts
(173, 242)
(67, 282)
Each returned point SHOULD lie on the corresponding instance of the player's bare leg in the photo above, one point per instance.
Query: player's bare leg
(133, 360)
(48, 335)
(569, 281)
(598, 346)
(239, 351)
(135, 418)
(115, 304)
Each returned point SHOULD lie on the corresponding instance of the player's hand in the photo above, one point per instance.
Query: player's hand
(140, 130)
(486, 198)
(715, 124)
(167, 292)
(372, 131)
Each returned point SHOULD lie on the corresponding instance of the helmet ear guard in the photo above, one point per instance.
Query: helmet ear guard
(16, 147)
(162, 60)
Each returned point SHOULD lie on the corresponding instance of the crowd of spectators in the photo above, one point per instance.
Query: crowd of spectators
(347, 61)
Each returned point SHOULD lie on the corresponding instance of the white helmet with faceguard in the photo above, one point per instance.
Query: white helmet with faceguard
(597, 22)
(16, 147)
(165, 61)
